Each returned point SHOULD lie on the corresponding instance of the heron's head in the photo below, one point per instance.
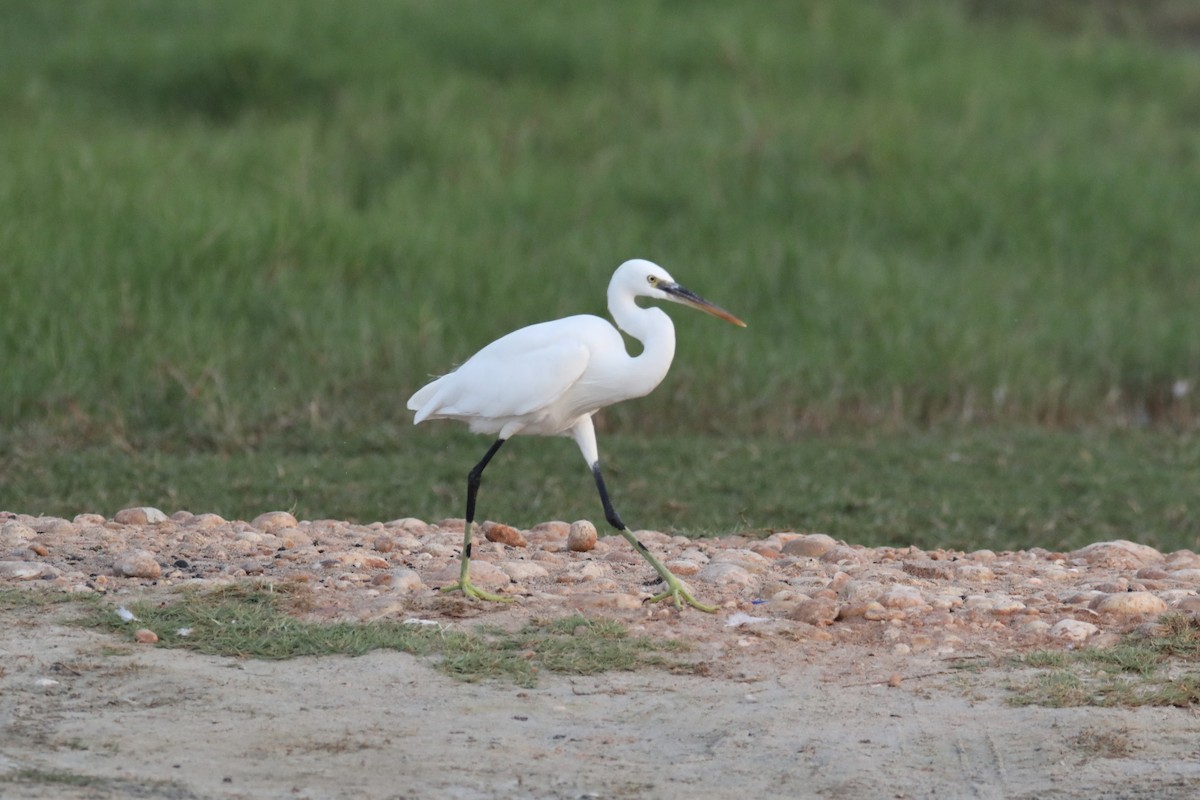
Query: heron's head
(642, 278)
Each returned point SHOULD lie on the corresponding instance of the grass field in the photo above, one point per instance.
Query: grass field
(235, 236)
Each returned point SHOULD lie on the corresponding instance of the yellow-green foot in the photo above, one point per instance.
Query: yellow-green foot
(469, 589)
(679, 595)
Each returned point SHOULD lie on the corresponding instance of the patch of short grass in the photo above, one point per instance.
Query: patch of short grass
(101, 786)
(253, 621)
(34, 598)
(998, 488)
(1160, 669)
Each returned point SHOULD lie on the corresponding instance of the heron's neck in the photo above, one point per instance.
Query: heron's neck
(652, 327)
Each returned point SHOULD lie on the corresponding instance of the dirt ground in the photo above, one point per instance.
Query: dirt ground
(872, 701)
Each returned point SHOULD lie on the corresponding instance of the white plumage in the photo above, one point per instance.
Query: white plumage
(549, 379)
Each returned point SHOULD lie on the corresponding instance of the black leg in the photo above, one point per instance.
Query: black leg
(676, 591)
(610, 513)
(474, 477)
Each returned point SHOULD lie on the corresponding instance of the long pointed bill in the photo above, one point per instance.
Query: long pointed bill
(689, 298)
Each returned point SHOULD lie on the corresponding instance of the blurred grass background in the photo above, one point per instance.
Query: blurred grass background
(240, 234)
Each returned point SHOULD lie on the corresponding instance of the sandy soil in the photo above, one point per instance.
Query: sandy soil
(871, 702)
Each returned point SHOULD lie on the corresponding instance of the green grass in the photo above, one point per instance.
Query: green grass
(248, 621)
(1002, 489)
(234, 237)
(227, 220)
(1141, 670)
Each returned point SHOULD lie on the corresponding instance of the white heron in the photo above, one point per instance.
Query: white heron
(549, 379)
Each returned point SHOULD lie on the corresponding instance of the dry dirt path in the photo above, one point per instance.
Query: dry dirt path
(843, 678)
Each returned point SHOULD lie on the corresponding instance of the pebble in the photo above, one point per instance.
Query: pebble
(137, 564)
(725, 573)
(1119, 554)
(205, 521)
(140, 515)
(21, 570)
(523, 571)
(273, 521)
(581, 537)
(974, 572)
(1130, 603)
(407, 580)
(814, 545)
(900, 596)
(504, 534)
(683, 566)
(816, 611)
(145, 636)
(1072, 630)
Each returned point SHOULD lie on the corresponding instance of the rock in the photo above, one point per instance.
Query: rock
(814, 545)
(856, 592)
(504, 534)
(406, 580)
(20, 570)
(524, 570)
(1118, 554)
(870, 610)
(974, 572)
(817, 611)
(137, 564)
(581, 537)
(725, 573)
(383, 544)
(145, 636)
(140, 515)
(901, 596)
(15, 534)
(928, 569)
(593, 601)
(843, 555)
(555, 528)
(1130, 603)
(1072, 630)
(205, 521)
(89, 519)
(683, 566)
(273, 521)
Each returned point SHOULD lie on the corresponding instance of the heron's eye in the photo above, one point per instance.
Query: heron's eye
(652, 280)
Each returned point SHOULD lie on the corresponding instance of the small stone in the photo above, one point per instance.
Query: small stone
(140, 515)
(843, 554)
(974, 572)
(137, 564)
(581, 537)
(521, 571)
(205, 521)
(1073, 630)
(817, 611)
(89, 519)
(927, 569)
(504, 534)
(901, 596)
(251, 567)
(406, 580)
(384, 544)
(814, 545)
(15, 535)
(1118, 554)
(724, 572)
(145, 636)
(1131, 603)
(273, 521)
(20, 570)
(683, 566)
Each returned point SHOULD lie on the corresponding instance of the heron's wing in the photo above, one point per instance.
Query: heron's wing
(513, 376)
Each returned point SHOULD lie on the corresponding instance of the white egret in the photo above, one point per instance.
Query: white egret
(549, 379)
